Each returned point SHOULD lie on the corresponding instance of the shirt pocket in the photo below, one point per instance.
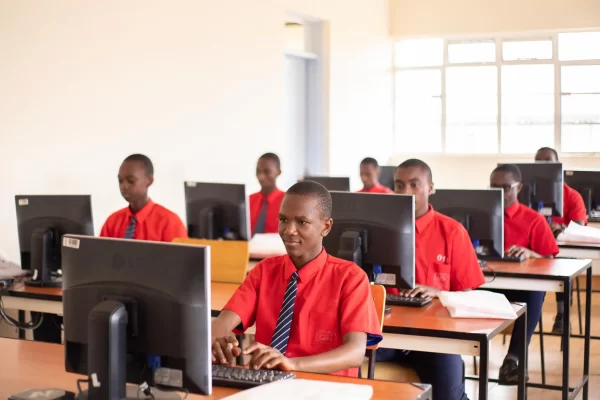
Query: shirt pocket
(438, 276)
(323, 331)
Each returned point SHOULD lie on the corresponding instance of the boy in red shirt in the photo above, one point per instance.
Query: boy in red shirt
(369, 174)
(445, 260)
(526, 232)
(573, 210)
(313, 312)
(264, 205)
(142, 219)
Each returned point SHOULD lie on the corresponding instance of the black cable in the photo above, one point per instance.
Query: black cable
(79, 382)
(31, 325)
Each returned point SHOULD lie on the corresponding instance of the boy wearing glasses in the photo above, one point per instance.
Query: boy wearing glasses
(527, 233)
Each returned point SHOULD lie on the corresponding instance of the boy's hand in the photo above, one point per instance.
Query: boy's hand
(421, 291)
(266, 357)
(225, 350)
(518, 251)
(557, 228)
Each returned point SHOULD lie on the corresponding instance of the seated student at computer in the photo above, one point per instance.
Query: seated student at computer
(142, 219)
(369, 174)
(527, 233)
(313, 312)
(573, 210)
(264, 205)
(444, 260)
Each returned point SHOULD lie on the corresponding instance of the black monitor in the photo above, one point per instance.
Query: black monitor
(542, 187)
(387, 176)
(217, 211)
(341, 184)
(375, 230)
(42, 221)
(587, 183)
(481, 212)
(126, 299)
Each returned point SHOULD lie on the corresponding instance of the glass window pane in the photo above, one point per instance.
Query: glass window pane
(580, 79)
(469, 81)
(418, 124)
(472, 138)
(580, 129)
(581, 108)
(419, 53)
(424, 82)
(472, 52)
(526, 139)
(579, 46)
(580, 138)
(528, 79)
(531, 50)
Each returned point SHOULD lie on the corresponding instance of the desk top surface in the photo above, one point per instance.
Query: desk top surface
(541, 268)
(34, 365)
(578, 245)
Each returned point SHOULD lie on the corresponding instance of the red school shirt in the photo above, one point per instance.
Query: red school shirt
(527, 228)
(273, 205)
(573, 207)
(153, 222)
(378, 188)
(333, 298)
(444, 255)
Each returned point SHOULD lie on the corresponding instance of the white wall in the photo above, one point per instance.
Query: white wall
(197, 85)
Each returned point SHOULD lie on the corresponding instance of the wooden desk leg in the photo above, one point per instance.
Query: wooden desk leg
(588, 327)
(484, 357)
(522, 384)
(566, 338)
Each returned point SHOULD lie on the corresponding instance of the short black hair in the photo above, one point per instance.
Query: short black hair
(550, 149)
(147, 163)
(416, 163)
(370, 161)
(509, 169)
(316, 190)
(273, 157)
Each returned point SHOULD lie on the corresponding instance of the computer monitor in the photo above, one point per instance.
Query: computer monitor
(542, 187)
(217, 211)
(481, 212)
(375, 230)
(341, 184)
(387, 176)
(42, 221)
(126, 299)
(587, 183)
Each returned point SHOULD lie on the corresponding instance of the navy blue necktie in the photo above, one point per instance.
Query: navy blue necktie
(130, 232)
(262, 219)
(284, 322)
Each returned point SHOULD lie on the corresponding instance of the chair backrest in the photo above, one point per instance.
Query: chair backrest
(378, 293)
(229, 258)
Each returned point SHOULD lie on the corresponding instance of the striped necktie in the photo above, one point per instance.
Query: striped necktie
(262, 218)
(130, 232)
(284, 322)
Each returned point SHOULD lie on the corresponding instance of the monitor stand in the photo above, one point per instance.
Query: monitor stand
(352, 246)
(44, 242)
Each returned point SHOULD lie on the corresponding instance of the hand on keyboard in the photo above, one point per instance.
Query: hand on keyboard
(518, 251)
(225, 350)
(266, 357)
(420, 291)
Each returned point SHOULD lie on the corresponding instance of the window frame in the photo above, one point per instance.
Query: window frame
(498, 40)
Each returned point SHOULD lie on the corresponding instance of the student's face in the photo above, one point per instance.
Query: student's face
(509, 185)
(414, 180)
(369, 174)
(302, 226)
(133, 181)
(545, 155)
(267, 173)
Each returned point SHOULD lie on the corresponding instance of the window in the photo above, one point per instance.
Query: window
(493, 95)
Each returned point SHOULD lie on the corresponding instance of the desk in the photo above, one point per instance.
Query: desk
(550, 275)
(579, 250)
(29, 365)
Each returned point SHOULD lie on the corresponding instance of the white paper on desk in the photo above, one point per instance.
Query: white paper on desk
(266, 244)
(477, 304)
(579, 233)
(303, 389)
(8, 269)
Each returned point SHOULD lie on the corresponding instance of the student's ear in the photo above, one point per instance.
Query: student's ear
(378, 171)
(431, 188)
(278, 172)
(150, 181)
(519, 188)
(328, 225)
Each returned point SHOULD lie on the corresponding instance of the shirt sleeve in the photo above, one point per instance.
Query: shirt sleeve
(244, 301)
(357, 308)
(465, 271)
(174, 229)
(576, 210)
(542, 239)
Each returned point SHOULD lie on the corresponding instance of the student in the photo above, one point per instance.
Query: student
(264, 205)
(573, 210)
(142, 219)
(444, 260)
(369, 174)
(313, 312)
(526, 232)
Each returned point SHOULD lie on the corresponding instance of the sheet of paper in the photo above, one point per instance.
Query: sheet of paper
(580, 233)
(266, 245)
(303, 389)
(478, 304)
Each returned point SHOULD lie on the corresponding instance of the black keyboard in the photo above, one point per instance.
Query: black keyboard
(397, 300)
(244, 378)
(505, 258)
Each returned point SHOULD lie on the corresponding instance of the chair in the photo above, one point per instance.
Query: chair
(228, 258)
(378, 293)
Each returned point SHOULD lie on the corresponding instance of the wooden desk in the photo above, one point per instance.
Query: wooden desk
(30, 365)
(550, 275)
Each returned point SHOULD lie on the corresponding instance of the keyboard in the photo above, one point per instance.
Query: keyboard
(244, 378)
(397, 300)
(504, 259)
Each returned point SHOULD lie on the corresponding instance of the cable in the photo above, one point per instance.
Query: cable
(79, 382)
(31, 325)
